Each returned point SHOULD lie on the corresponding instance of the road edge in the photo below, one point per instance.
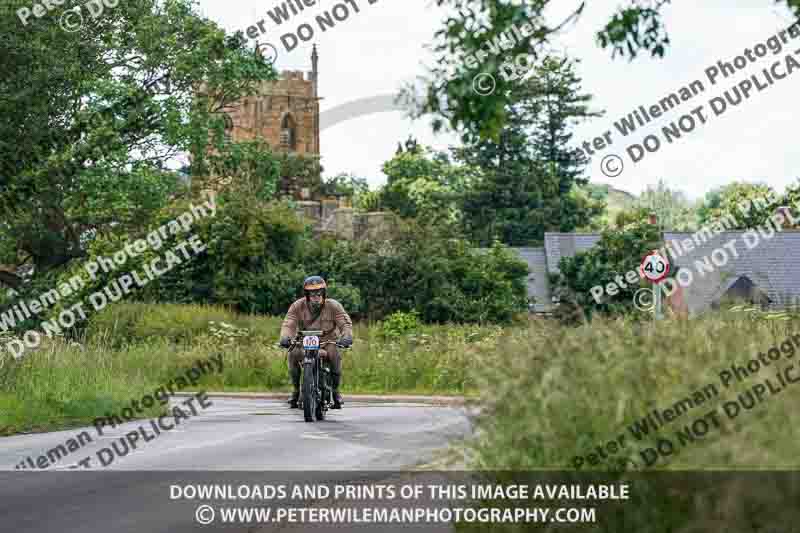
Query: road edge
(432, 400)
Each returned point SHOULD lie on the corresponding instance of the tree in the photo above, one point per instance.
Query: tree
(411, 146)
(424, 183)
(472, 42)
(91, 118)
(791, 196)
(673, 209)
(728, 202)
(529, 173)
(300, 171)
(554, 102)
(617, 252)
(344, 184)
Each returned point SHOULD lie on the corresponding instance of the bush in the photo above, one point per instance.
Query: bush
(443, 279)
(258, 253)
(399, 323)
(251, 261)
(348, 296)
(617, 252)
(551, 393)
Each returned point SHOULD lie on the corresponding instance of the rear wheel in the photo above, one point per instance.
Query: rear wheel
(309, 399)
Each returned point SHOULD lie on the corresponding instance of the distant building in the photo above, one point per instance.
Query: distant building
(284, 113)
(768, 275)
(543, 262)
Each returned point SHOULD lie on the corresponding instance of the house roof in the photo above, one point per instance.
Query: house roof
(538, 283)
(558, 245)
(773, 265)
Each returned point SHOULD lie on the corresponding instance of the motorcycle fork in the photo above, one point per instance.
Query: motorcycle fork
(324, 388)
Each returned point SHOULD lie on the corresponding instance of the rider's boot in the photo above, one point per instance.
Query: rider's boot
(337, 398)
(295, 374)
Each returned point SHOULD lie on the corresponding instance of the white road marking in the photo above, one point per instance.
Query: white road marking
(318, 436)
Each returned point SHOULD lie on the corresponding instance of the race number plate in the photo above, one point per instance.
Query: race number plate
(311, 342)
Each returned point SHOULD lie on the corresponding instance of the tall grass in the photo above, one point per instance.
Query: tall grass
(551, 393)
(131, 349)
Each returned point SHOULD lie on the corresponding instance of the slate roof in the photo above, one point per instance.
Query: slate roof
(544, 260)
(538, 285)
(558, 245)
(773, 266)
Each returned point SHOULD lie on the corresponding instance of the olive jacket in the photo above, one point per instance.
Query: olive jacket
(333, 320)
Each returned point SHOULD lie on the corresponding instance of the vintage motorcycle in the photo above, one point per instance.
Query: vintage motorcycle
(316, 394)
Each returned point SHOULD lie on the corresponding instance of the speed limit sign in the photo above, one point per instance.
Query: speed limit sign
(654, 267)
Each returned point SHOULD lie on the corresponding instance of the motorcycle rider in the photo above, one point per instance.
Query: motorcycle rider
(315, 311)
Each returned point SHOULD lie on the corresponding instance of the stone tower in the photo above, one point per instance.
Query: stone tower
(285, 113)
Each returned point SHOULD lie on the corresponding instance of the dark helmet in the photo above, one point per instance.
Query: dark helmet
(313, 283)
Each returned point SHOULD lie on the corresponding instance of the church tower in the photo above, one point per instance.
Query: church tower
(284, 113)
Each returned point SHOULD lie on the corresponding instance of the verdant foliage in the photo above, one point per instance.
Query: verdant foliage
(300, 170)
(426, 184)
(673, 210)
(728, 201)
(615, 200)
(617, 252)
(399, 323)
(541, 411)
(344, 184)
(91, 118)
(471, 42)
(258, 252)
(444, 279)
(130, 349)
(527, 179)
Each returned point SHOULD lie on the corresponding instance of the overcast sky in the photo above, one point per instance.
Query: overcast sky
(377, 50)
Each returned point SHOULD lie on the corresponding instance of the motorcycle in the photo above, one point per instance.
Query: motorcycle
(316, 394)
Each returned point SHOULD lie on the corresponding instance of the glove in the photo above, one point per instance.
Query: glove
(345, 342)
(286, 341)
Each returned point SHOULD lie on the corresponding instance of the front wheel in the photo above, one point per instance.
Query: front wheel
(309, 398)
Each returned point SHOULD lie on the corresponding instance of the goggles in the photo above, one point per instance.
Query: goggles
(316, 292)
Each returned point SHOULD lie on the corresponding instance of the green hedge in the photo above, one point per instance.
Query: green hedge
(258, 254)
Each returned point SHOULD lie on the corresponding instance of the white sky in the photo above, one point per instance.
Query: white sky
(377, 50)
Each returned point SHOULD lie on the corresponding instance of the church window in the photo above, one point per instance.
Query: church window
(288, 133)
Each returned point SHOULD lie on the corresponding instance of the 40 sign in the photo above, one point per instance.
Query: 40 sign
(654, 267)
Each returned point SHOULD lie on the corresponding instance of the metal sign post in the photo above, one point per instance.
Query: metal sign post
(657, 297)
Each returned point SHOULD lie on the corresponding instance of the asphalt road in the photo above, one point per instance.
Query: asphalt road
(232, 440)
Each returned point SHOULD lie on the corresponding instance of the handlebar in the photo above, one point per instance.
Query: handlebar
(295, 342)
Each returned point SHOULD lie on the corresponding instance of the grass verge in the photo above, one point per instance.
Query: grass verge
(129, 350)
(551, 395)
